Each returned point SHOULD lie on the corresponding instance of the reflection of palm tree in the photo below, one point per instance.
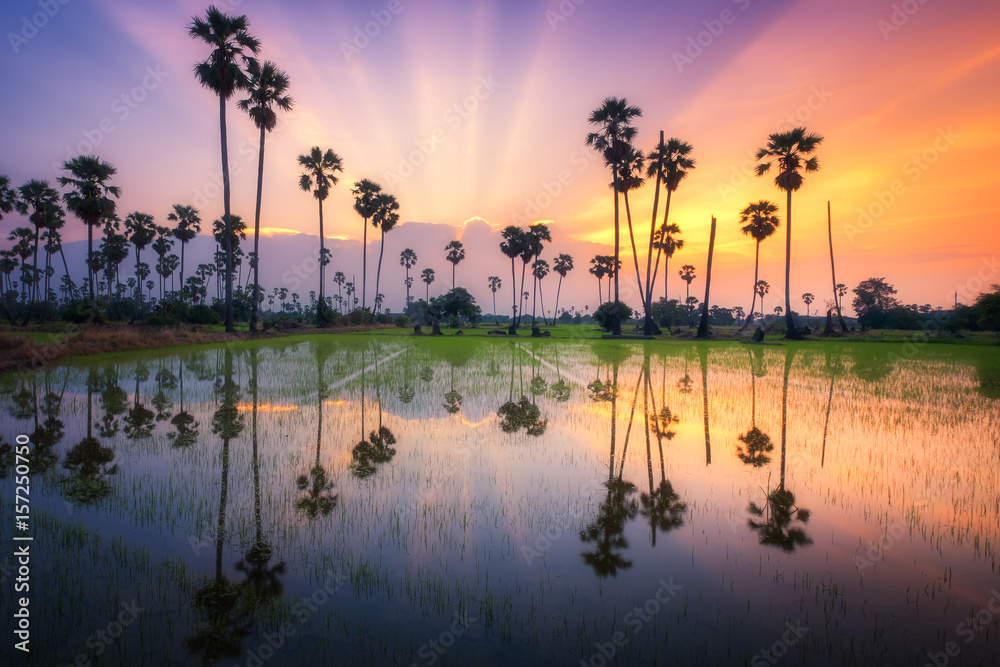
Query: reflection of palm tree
(758, 444)
(703, 358)
(780, 508)
(140, 419)
(88, 461)
(515, 415)
(369, 454)
(186, 433)
(662, 506)
(317, 499)
(218, 601)
(262, 580)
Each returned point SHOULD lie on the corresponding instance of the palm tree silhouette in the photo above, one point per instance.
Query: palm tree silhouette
(662, 505)
(221, 73)
(265, 93)
(365, 194)
(758, 444)
(562, 265)
(789, 150)
(687, 274)
(427, 275)
(630, 171)
(184, 423)
(539, 270)
(761, 288)
(369, 454)
(320, 175)
(408, 259)
(188, 225)
(537, 233)
(318, 499)
(495, 284)
(35, 196)
(455, 254)
(8, 196)
(385, 218)
(88, 461)
(140, 420)
(614, 118)
(513, 244)
(91, 199)
(760, 222)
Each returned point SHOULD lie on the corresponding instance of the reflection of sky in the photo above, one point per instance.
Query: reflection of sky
(462, 504)
(879, 98)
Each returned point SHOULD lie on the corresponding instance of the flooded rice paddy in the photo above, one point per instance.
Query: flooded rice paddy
(400, 501)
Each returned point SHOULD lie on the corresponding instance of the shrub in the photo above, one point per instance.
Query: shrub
(360, 316)
(604, 316)
(77, 311)
(402, 321)
(202, 314)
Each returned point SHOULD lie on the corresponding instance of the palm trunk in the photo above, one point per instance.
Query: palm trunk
(65, 265)
(541, 298)
(647, 324)
(520, 292)
(703, 354)
(90, 271)
(635, 256)
(256, 233)
(703, 325)
(512, 330)
(226, 216)
(378, 271)
(364, 264)
(555, 311)
(322, 254)
(496, 320)
(833, 270)
(616, 318)
(753, 302)
(790, 332)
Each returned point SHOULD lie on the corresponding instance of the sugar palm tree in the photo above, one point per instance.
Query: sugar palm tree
(232, 46)
(537, 233)
(320, 175)
(266, 94)
(188, 223)
(598, 269)
(562, 265)
(789, 149)
(539, 270)
(339, 279)
(808, 299)
(91, 199)
(760, 222)
(385, 218)
(687, 274)
(494, 286)
(427, 275)
(512, 246)
(365, 191)
(142, 231)
(670, 163)
(455, 254)
(8, 196)
(408, 259)
(32, 199)
(761, 288)
(630, 178)
(614, 118)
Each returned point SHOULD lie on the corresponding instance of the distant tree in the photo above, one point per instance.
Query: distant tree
(455, 254)
(872, 302)
(539, 270)
(365, 194)
(562, 265)
(385, 218)
(495, 284)
(808, 299)
(513, 244)
(459, 303)
(320, 174)
(789, 150)
(760, 222)
(427, 275)
(687, 274)
(408, 259)
(188, 225)
(762, 288)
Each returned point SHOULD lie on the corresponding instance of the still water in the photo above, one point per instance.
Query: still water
(399, 501)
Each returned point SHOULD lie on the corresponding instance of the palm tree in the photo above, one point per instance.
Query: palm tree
(539, 270)
(91, 200)
(789, 149)
(338, 279)
(512, 246)
(408, 259)
(761, 288)
(266, 91)
(808, 299)
(537, 233)
(8, 196)
(630, 170)
(562, 265)
(365, 191)
(670, 163)
(427, 275)
(385, 218)
(34, 196)
(614, 118)
(598, 269)
(221, 73)
(456, 253)
(760, 222)
(667, 243)
(320, 175)
(188, 225)
(142, 232)
(687, 275)
(494, 286)
(161, 246)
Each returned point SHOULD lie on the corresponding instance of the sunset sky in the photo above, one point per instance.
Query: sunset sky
(476, 110)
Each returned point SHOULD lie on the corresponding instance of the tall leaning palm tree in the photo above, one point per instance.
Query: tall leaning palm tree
(562, 265)
(385, 218)
(789, 149)
(612, 140)
(320, 175)
(760, 222)
(91, 199)
(670, 162)
(188, 225)
(266, 94)
(223, 73)
(365, 191)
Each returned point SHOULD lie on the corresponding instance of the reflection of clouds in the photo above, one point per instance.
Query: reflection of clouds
(266, 407)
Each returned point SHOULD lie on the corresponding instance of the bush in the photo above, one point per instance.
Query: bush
(202, 314)
(403, 321)
(76, 312)
(604, 316)
(326, 316)
(360, 316)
